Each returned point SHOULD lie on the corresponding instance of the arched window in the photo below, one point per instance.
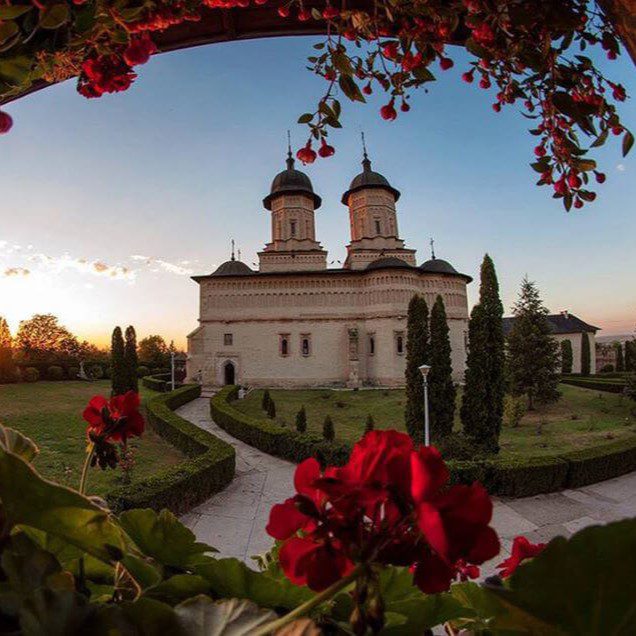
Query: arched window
(399, 342)
(305, 344)
(371, 345)
(284, 344)
(378, 227)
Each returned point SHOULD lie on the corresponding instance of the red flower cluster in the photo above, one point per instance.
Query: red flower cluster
(115, 420)
(104, 74)
(390, 504)
(307, 154)
(522, 549)
(139, 50)
(6, 122)
(162, 18)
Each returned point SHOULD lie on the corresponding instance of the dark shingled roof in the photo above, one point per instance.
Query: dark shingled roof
(291, 181)
(369, 179)
(559, 324)
(232, 268)
(389, 261)
(440, 266)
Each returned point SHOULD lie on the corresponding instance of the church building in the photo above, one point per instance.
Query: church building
(294, 322)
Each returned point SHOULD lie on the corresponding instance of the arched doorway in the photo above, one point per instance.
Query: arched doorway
(229, 373)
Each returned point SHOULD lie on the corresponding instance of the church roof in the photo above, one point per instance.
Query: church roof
(369, 179)
(389, 261)
(232, 268)
(562, 323)
(440, 266)
(291, 181)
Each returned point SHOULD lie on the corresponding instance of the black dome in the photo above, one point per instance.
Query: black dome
(232, 268)
(290, 181)
(388, 261)
(438, 266)
(369, 179)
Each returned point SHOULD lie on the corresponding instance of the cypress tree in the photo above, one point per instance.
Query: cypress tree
(8, 372)
(328, 431)
(130, 360)
(532, 352)
(266, 400)
(630, 355)
(620, 360)
(417, 345)
(118, 363)
(301, 420)
(440, 380)
(370, 424)
(585, 354)
(271, 409)
(567, 356)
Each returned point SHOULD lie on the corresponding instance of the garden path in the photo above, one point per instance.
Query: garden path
(234, 520)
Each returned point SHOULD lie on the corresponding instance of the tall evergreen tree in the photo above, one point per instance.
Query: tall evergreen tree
(118, 363)
(440, 380)
(417, 337)
(620, 360)
(630, 355)
(301, 420)
(586, 359)
(532, 352)
(567, 356)
(130, 359)
(7, 366)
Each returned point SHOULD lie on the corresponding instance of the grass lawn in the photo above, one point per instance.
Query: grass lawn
(581, 417)
(50, 413)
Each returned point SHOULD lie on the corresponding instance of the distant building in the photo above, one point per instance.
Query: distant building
(606, 355)
(567, 326)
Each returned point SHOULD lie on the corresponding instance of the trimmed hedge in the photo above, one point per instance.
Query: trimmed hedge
(158, 382)
(510, 477)
(601, 384)
(590, 465)
(271, 438)
(209, 468)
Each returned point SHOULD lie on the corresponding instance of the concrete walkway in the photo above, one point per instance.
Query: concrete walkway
(234, 520)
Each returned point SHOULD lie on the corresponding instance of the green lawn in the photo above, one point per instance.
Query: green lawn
(50, 413)
(581, 418)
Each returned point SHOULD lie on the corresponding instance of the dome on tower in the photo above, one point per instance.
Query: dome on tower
(291, 181)
(369, 179)
(232, 268)
(440, 266)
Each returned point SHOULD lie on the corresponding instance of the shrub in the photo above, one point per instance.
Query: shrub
(72, 373)
(142, 371)
(328, 431)
(459, 446)
(108, 372)
(208, 469)
(155, 382)
(271, 409)
(55, 372)
(266, 400)
(523, 477)
(159, 371)
(301, 420)
(610, 385)
(96, 372)
(607, 368)
(340, 404)
(30, 374)
(370, 424)
(514, 410)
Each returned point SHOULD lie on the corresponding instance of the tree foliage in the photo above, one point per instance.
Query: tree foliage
(119, 376)
(301, 420)
(567, 356)
(586, 356)
(440, 377)
(620, 359)
(131, 363)
(328, 429)
(8, 371)
(43, 338)
(630, 355)
(532, 352)
(153, 352)
(417, 353)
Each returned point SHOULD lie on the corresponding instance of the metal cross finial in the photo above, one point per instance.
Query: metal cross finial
(239, 253)
(366, 163)
(232, 242)
(432, 249)
(290, 157)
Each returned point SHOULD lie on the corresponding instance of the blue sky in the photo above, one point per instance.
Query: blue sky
(175, 167)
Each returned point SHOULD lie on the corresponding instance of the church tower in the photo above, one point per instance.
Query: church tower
(292, 203)
(373, 220)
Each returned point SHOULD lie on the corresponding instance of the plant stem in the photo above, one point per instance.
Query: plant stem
(307, 606)
(87, 463)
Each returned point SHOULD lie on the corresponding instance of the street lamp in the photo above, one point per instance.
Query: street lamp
(424, 369)
(172, 369)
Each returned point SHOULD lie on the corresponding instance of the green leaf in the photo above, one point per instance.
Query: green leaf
(585, 165)
(11, 12)
(231, 578)
(32, 501)
(582, 585)
(341, 62)
(305, 118)
(16, 69)
(8, 30)
(54, 16)
(628, 142)
(164, 538)
(178, 588)
(55, 613)
(601, 139)
(350, 89)
(422, 74)
(18, 444)
(201, 616)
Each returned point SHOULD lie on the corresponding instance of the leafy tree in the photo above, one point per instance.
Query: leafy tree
(483, 402)
(630, 355)
(153, 352)
(620, 360)
(567, 356)
(271, 409)
(118, 377)
(417, 345)
(7, 366)
(532, 352)
(266, 400)
(585, 354)
(440, 380)
(130, 360)
(301, 420)
(328, 430)
(370, 424)
(43, 337)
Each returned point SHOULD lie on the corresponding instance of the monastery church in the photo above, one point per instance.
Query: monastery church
(295, 322)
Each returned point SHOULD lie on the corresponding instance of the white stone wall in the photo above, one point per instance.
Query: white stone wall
(258, 310)
(576, 339)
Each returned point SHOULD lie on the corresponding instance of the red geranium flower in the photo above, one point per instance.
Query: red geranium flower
(522, 549)
(115, 420)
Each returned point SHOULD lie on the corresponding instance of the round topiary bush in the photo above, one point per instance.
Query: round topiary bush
(143, 371)
(72, 373)
(55, 373)
(96, 372)
(30, 374)
(108, 372)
